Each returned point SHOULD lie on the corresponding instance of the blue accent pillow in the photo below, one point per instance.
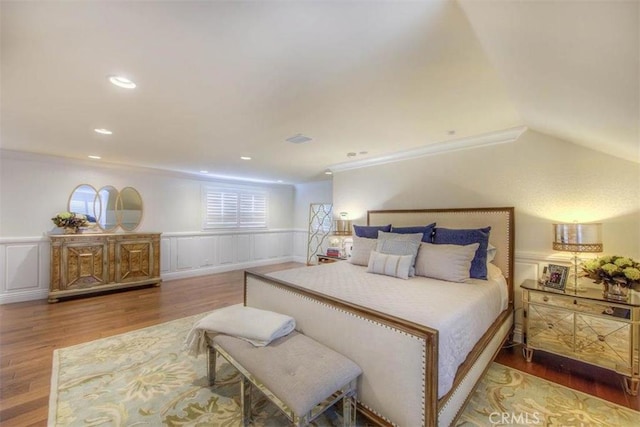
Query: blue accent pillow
(426, 230)
(449, 236)
(370, 231)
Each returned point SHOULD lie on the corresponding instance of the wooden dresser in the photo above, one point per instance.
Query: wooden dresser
(90, 263)
(584, 326)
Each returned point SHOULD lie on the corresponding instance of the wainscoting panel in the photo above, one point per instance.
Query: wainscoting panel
(228, 249)
(186, 250)
(24, 269)
(165, 255)
(260, 247)
(22, 263)
(245, 254)
(208, 251)
(300, 245)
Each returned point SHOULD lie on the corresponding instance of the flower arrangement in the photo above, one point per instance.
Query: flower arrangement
(70, 220)
(613, 269)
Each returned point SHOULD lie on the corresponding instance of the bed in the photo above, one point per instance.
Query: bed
(378, 322)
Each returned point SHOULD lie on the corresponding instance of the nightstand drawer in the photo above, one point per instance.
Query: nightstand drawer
(561, 301)
(603, 342)
(582, 305)
(550, 328)
(612, 310)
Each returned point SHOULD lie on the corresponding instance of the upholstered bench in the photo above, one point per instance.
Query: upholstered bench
(301, 376)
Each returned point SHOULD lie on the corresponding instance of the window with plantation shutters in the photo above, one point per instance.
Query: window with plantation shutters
(252, 210)
(234, 208)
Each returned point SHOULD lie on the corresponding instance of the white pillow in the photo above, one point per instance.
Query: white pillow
(491, 252)
(361, 250)
(400, 244)
(493, 271)
(389, 265)
(445, 262)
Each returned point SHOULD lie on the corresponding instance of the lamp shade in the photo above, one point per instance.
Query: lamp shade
(577, 237)
(342, 227)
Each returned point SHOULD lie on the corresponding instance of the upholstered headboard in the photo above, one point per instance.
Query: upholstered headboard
(501, 221)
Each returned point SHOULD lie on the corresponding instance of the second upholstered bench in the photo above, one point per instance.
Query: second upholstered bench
(300, 375)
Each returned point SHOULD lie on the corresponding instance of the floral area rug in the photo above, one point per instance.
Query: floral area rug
(144, 378)
(508, 397)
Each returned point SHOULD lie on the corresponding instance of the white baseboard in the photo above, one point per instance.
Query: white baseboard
(31, 295)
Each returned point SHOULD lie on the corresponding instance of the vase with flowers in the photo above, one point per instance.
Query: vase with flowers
(70, 222)
(618, 274)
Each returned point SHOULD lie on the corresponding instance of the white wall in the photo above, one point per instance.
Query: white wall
(33, 188)
(546, 179)
(312, 192)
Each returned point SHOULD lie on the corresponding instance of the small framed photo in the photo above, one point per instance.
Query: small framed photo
(557, 277)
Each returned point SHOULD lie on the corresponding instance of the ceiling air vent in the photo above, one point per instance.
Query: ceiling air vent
(299, 139)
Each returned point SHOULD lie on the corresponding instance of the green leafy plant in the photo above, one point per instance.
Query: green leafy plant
(614, 268)
(70, 220)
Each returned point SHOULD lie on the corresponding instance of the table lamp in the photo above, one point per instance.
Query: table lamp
(577, 238)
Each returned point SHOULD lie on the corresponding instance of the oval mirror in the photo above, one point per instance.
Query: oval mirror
(129, 209)
(105, 208)
(82, 200)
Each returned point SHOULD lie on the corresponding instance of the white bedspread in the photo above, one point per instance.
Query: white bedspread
(461, 312)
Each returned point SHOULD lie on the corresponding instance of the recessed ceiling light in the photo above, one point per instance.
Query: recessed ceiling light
(245, 157)
(94, 157)
(103, 131)
(122, 82)
(204, 171)
(328, 172)
(280, 180)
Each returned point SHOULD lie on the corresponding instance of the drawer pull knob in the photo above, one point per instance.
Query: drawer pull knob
(608, 310)
(550, 325)
(601, 338)
(545, 298)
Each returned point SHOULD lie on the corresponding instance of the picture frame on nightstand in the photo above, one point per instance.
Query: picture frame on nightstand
(557, 277)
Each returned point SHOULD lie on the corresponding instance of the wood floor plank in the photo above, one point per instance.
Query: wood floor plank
(31, 331)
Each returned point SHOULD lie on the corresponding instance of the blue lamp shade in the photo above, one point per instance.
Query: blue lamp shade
(577, 237)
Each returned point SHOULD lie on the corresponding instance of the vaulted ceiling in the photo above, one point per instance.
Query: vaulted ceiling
(221, 80)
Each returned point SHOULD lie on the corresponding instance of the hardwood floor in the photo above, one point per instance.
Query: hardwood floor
(30, 331)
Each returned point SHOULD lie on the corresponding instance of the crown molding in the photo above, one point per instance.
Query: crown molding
(493, 138)
(105, 165)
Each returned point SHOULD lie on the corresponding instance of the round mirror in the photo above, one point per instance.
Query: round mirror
(105, 208)
(82, 201)
(129, 208)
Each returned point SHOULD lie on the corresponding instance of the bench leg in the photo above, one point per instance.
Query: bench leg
(349, 409)
(211, 366)
(245, 400)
